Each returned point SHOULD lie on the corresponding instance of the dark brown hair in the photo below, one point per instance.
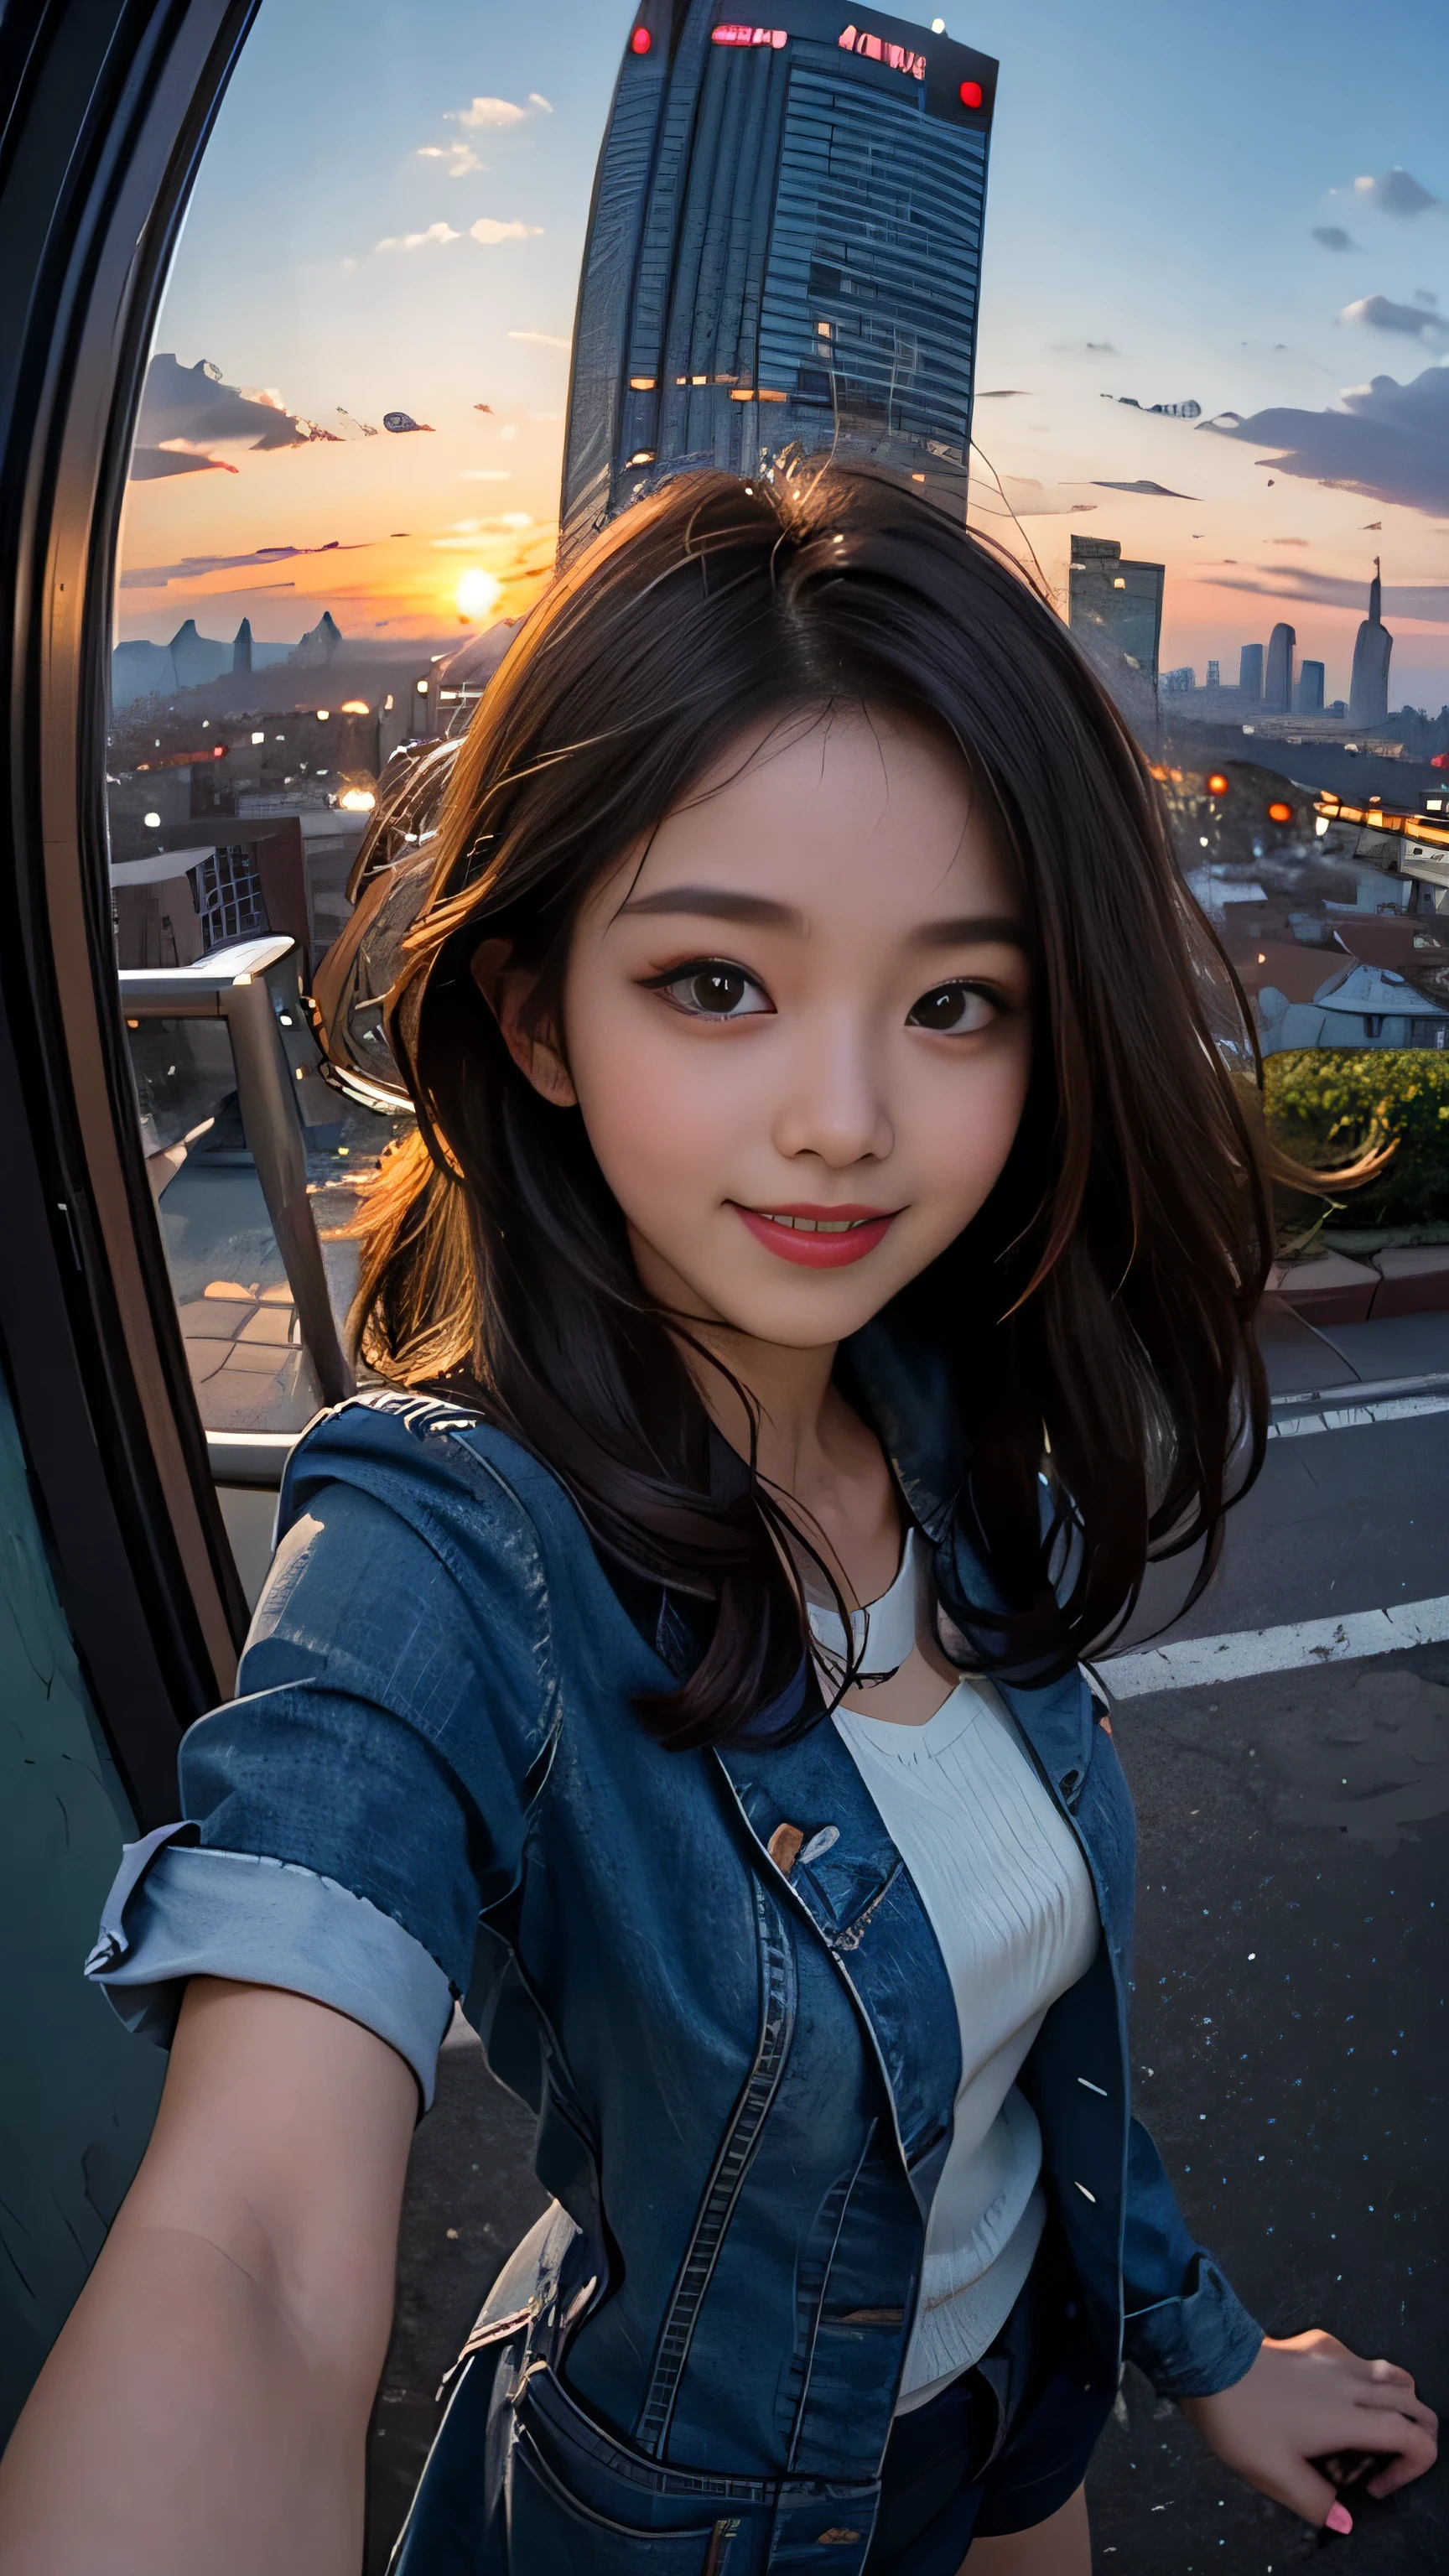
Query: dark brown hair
(1094, 1319)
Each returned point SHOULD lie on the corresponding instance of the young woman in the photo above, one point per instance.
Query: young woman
(822, 1277)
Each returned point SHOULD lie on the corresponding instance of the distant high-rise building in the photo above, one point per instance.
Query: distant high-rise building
(1214, 680)
(1115, 611)
(1368, 690)
(1177, 684)
(1278, 672)
(783, 254)
(1250, 671)
(241, 651)
(319, 643)
(1308, 695)
(196, 658)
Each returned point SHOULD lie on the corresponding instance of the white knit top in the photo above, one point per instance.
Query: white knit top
(1003, 1882)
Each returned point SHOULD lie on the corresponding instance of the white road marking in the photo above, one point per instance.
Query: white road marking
(1350, 1417)
(1301, 1643)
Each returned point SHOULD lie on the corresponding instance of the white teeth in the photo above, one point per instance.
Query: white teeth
(820, 1224)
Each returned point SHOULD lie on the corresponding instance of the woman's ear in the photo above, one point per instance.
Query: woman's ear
(508, 991)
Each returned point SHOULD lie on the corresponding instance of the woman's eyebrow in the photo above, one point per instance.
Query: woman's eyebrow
(759, 911)
(971, 930)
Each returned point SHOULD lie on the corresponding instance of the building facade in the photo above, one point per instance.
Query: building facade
(783, 254)
(1278, 672)
(1115, 611)
(1368, 692)
(1308, 692)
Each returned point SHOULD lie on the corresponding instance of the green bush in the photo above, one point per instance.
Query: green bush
(1326, 1105)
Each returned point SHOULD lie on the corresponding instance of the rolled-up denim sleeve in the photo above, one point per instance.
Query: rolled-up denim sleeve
(1185, 2325)
(348, 1817)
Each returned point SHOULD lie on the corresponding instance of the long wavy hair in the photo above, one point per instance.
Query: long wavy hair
(1094, 1318)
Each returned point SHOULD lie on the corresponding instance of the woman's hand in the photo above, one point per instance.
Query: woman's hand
(1308, 2398)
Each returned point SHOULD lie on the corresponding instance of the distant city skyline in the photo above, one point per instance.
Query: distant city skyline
(1182, 211)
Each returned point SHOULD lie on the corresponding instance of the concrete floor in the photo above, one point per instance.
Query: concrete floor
(1298, 2094)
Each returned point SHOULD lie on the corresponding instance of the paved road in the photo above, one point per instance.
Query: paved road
(1288, 2039)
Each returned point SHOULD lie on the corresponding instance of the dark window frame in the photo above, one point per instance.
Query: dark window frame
(105, 110)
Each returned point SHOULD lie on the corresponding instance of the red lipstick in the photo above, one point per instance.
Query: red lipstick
(819, 1238)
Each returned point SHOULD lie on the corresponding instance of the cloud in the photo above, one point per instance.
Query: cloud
(1021, 496)
(1394, 192)
(1427, 601)
(149, 464)
(194, 567)
(1157, 491)
(1389, 441)
(487, 231)
(542, 339)
(458, 158)
(1333, 237)
(185, 411)
(418, 241)
(1383, 315)
(499, 111)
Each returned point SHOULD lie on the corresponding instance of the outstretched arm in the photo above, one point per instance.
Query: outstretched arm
(205, 2410)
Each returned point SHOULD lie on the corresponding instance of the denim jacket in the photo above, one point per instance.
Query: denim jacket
(432, 1784)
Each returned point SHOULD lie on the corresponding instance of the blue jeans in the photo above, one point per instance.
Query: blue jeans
(523, 2483)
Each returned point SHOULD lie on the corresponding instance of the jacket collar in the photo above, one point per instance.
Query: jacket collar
(904, 1387)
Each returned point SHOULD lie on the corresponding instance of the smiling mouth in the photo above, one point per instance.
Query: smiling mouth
(819, 1238)
(816, 1224)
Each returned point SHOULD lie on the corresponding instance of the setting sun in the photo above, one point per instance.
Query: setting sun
(476, 593)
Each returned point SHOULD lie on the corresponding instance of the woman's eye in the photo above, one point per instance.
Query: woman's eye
(955, 1010)
(715, 991)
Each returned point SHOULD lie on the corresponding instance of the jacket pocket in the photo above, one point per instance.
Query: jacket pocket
(554, 2533)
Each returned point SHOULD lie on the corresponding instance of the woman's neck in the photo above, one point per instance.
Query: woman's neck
(830, 1472)
(811, 1448)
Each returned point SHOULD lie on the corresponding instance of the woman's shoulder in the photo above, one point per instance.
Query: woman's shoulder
(429, 1460)
(420, 1548)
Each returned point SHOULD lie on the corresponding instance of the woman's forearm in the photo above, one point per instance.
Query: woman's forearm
(180, 2428)
(204, 2412)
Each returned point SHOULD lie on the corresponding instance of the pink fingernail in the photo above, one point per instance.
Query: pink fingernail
(1338, 2518)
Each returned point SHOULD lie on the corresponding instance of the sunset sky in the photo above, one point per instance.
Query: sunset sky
(1240, 206)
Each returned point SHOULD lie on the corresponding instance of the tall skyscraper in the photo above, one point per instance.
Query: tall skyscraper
(1250, 672)
(783, 254)
(1213, 679)
(1115, 611)
(1278, 676)
(1308, 695)
(1368, 694)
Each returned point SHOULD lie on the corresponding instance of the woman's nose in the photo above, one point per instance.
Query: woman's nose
(834, 1104)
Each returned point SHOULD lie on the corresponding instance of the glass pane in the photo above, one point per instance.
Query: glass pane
(343, 488)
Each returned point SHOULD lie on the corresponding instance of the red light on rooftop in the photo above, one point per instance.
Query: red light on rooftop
(1217, 785)
(1280, 813)
(640, 41)
(971, 93)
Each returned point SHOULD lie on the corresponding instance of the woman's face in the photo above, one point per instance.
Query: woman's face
(798, 1027)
